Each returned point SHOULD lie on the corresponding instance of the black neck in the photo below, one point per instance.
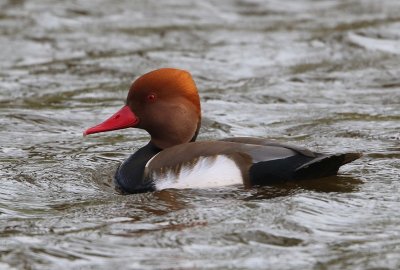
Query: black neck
(196, 132)
(129, 175)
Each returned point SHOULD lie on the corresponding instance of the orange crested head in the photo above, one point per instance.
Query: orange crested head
(165, 103)
(164, 84)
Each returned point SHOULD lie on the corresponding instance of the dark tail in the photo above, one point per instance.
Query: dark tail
(325, 165)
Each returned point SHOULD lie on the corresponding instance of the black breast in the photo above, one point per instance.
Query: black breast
(129, 176)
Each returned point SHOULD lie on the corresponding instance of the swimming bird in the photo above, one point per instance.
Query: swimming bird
(166, 103)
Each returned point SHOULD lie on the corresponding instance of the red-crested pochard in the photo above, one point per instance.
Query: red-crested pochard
(166, 104)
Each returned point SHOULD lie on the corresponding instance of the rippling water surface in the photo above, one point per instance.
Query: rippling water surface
(324, 74)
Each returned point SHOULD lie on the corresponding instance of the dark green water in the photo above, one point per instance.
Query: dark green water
(324, 74)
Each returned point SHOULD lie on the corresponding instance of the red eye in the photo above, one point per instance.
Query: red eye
(151, 97)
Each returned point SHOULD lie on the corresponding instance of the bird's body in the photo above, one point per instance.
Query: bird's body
(166, 104)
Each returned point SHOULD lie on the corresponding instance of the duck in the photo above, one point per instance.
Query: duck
(166, 103)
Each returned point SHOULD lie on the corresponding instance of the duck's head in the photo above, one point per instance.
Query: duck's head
(165, 103)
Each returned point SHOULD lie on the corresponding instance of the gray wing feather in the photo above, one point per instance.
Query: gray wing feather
(189, 152)
(266, 142)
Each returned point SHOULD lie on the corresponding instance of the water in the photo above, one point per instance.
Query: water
(324, 74)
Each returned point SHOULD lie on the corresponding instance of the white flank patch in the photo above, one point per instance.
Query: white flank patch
(208, 172)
